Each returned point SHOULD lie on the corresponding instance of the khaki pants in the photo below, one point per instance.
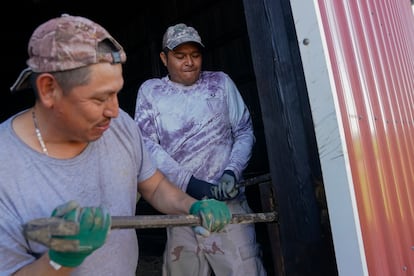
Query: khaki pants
(231, 252)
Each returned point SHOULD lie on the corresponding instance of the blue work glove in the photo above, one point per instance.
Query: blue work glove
(94, 224)
(199, 189)
(214, 215)
(227, 187)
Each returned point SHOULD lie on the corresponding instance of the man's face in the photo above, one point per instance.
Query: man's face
(184, 63)
(85, 112)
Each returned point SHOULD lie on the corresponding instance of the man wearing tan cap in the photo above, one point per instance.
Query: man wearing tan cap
(200, 134)
(75, 156)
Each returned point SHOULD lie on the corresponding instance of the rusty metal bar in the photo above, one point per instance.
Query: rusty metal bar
(161, 221)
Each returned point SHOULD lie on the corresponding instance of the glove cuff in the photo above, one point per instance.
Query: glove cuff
(68, 259)
(230, 172)
(198, 189)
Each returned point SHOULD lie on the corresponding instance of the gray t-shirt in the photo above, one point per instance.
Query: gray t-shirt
(106, 174)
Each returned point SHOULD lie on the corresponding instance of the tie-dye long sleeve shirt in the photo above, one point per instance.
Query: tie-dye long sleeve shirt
(199, 130)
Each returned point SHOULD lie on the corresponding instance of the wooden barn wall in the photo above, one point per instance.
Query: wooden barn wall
(304, 236)
(369, 48)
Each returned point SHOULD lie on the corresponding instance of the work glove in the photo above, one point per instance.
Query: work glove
(199, 189)
(226, 188)
(214, 215)
(94, 224)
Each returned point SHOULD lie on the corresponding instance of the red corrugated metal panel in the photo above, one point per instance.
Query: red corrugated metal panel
(371, 47)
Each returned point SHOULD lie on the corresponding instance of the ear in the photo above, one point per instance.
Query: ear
(46, 87)
(163, 57)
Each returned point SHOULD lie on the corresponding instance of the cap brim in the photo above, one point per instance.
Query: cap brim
(23, 81)
(174, 45)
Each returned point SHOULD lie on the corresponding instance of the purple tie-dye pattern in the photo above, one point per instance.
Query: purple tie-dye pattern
(198, 130)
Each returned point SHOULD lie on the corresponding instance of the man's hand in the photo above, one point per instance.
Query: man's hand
(226, 189)
(94, 224)
(215, 215)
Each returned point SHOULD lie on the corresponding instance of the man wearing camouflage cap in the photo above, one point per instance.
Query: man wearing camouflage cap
(200, 134)
(77, 157)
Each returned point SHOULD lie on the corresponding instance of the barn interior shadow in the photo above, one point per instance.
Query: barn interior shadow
(221, 23)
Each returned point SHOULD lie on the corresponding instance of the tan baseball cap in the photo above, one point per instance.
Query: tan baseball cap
(64, 43)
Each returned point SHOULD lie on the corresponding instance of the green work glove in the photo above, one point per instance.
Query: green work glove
(94, 224)
(214, 215)
(226, 189)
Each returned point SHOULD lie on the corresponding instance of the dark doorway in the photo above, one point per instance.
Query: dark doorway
(221, 23)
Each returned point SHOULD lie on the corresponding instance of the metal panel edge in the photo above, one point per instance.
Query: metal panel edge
(343, 213)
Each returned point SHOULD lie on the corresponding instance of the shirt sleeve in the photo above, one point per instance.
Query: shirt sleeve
(242, 130)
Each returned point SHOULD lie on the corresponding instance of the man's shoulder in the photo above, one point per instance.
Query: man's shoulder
(215, 78)
(152, 82)
(6, 129)
(214, 75)
(123, 121)
(124, 117)
(123, 128)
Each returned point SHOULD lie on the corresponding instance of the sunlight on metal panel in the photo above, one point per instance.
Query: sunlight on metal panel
(371, 46)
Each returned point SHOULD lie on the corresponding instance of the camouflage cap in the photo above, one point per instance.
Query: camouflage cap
(64, 43)
(179, 34)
